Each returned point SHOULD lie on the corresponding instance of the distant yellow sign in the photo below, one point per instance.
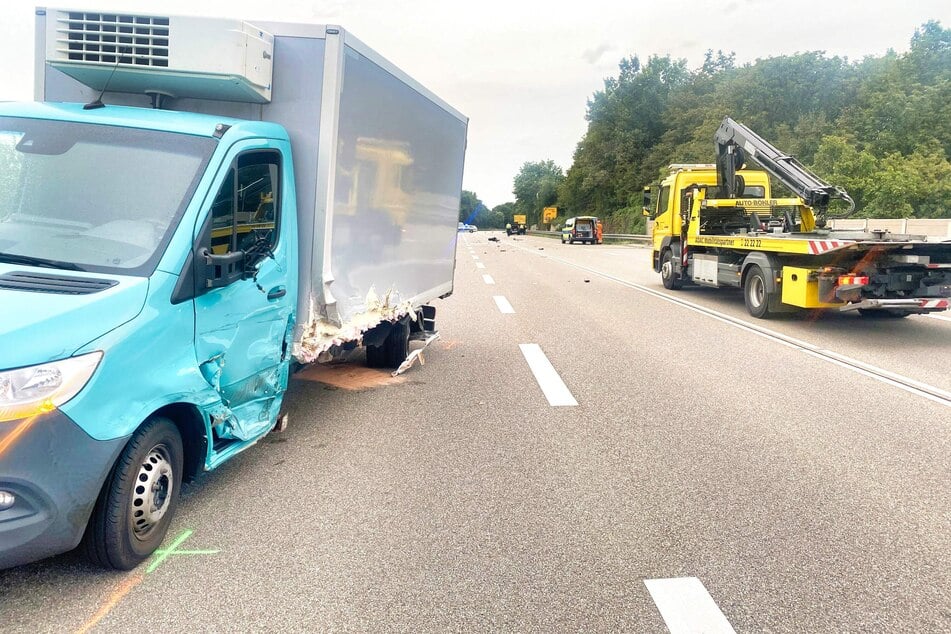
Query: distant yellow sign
(549, 213)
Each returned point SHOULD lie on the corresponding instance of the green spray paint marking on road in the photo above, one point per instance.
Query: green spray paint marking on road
(163, 553)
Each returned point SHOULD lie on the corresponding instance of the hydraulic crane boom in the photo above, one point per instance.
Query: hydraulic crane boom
(735, 143)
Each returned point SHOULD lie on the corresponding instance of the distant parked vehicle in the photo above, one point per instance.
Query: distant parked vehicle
(518, 225)
(472, 228)
(582, 229)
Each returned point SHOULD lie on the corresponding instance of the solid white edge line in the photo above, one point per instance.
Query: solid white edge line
(480, 265)
(488, 279)
(552, 386)
(504, 306)
(902, 382)
(687, 607)
(941, 317)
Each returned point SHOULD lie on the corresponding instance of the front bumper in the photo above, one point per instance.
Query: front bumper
(56, 471)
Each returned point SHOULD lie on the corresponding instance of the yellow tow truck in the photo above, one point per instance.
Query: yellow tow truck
(718, 225)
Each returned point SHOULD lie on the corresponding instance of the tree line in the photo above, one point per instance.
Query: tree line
(880, 127)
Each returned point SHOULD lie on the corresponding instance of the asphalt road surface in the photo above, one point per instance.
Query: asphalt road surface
(582, 450)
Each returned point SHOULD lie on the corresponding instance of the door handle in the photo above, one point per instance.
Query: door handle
(276, 292)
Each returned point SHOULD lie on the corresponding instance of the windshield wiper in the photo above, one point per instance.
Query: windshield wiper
(29, 260)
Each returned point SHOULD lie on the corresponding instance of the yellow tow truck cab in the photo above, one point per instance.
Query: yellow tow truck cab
(772, 249)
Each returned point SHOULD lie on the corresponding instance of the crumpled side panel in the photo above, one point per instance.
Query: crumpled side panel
(260, 397)
(319, 335)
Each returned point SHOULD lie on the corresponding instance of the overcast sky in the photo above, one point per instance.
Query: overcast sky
(522, 71)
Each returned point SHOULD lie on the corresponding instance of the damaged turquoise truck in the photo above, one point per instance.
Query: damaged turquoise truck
(190, 209)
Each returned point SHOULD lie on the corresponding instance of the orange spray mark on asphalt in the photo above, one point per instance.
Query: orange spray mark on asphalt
(18, 431)
(124, 587)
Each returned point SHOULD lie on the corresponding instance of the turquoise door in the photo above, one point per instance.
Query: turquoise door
(242, 329)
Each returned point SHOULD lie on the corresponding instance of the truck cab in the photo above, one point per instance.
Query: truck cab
(126, 246)
(675, 195)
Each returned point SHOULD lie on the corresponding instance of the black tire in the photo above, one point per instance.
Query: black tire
(667, 275)
(121, 533)
(571, 240)
(760, 302)
(376, 357)
(883, 313)
(563, 239)
(394, 349)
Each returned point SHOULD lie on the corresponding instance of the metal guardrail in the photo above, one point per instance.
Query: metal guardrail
(614, 237)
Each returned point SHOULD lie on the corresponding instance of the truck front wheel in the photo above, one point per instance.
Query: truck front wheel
(759, 300)
(667, 274)
(138, 499)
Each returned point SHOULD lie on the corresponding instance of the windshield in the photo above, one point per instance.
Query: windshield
(93, 197)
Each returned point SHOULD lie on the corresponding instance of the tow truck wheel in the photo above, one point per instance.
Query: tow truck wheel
(757, 294)
(138, 499)
(562, 239)
(667, 275)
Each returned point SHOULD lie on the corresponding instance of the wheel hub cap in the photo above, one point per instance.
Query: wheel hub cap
(152, 491)
(757, 292)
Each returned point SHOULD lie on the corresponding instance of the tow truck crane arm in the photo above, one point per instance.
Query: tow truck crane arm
(735, 143)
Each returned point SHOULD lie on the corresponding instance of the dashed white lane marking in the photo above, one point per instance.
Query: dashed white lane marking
(504, 306)
(941, 317)
(687, 607)
(480, 265)
(905, 383)
(553, 387)
(488, 279)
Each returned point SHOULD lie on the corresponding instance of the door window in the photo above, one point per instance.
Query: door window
(245, 213)
(662, 200)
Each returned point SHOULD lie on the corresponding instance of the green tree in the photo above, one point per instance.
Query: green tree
(469, 203)
(879, 126)
(473, 211)
(535, 187)
(506, 211)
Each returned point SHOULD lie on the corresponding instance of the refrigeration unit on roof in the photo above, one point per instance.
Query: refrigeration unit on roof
(201, 58)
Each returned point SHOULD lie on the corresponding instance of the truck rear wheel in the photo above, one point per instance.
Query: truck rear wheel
(138, 499)
(395, 347)
(667, 275)
(760, 302)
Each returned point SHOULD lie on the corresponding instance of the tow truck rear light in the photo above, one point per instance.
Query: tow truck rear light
(845, 280)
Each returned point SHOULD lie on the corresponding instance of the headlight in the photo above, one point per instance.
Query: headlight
(42, 388)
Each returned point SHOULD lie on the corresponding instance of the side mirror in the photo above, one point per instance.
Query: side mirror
(647, 201)
(221, 270)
